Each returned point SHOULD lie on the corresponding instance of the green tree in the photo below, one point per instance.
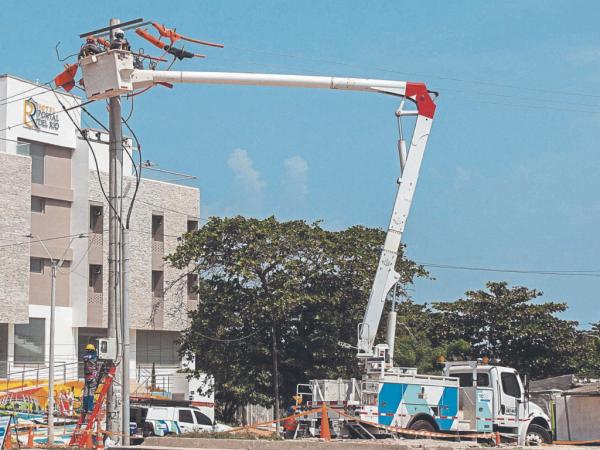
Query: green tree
(416, 345)
(507, 323)
(275, 299)
(587, 360)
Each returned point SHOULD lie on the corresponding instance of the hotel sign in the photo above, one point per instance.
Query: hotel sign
(39, 116)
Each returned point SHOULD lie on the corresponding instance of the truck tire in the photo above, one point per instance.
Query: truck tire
(422, 425)
(537, 435)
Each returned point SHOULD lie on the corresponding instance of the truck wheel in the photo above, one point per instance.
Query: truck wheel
(537, 435)
(422, 425)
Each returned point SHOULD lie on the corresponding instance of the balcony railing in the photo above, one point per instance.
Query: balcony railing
(95, 239)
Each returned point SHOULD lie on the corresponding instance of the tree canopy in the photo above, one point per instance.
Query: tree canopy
(258, 279)
(277, 297)
(509, 324)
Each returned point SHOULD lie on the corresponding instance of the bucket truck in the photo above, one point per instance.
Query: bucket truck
(469, 396)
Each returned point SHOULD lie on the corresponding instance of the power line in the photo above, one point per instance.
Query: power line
(15, 244)
(117, 215)
(172, 210)
(421, 75)
(5, 102)
(579, 273)
(64, 110)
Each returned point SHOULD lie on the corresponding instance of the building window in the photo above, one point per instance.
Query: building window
(29, 341)
(3, 348)
(95, 277)
(36, 265)
(192, 225)
(37, 153)
(38, 204)
(158, 233)
(96, 219)
(158, 347)
(157, 283)
(192, 286)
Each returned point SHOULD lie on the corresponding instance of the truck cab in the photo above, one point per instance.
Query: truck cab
(502, 401)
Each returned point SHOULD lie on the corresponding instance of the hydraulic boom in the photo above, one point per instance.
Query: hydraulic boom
(112, 73)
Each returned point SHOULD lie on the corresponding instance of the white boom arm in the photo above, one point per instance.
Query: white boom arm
(111, 73)
(386, 276)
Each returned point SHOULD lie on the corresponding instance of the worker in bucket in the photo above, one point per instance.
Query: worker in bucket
(90, 376)
(119, 42)
(89, 48)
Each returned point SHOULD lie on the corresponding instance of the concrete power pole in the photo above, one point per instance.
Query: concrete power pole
(114, 248)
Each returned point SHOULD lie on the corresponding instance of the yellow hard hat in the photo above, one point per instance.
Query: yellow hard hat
(90, 347)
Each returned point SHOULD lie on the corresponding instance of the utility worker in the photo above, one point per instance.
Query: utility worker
(89, 48)
(290, 424)
(90, 376)
(119, 42)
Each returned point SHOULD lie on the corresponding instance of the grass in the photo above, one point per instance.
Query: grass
(252, 435)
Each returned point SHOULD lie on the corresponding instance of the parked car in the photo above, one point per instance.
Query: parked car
(163, 420)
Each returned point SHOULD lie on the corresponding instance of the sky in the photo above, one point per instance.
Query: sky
(510, 175)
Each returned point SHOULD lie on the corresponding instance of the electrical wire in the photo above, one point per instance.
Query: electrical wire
(580, 273)
(63, 110)
(138, 173)
(130, 109)
(15, 244)
(84, 135)
(227, 340)
(418, 74)
(3, 101)
(172, 210)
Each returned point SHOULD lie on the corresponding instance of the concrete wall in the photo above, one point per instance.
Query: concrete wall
(14, 112)
(14, 225)
(583, 418)
(80, 217)
(177, 204)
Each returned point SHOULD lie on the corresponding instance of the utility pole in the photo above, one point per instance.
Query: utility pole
(54, 266)
(126, 343)
(114, 247)
(53, 263)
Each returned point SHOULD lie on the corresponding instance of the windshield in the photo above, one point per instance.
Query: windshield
(466, 379)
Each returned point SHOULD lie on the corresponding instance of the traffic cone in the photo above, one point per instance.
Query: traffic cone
(99, 441)
(325, 433)
(89, 442)
(497, 439)
(30, 443)
(8, 439)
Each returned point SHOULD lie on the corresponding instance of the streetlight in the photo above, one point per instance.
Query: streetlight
(54, 264)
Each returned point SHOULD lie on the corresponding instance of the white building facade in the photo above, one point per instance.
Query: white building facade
(53, 205)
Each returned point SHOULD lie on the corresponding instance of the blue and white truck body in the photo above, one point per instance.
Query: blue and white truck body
(468, 398)
(397, 401)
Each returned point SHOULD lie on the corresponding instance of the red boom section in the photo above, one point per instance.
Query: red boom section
(419, 93)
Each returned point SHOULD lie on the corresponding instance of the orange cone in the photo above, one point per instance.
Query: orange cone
(99, 441)
(325, 433)
(497, 439)
(89, 442)
(30, 443)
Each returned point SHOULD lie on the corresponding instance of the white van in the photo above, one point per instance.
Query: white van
(189, 418)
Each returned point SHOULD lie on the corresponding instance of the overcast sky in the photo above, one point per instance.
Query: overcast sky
(510, 176)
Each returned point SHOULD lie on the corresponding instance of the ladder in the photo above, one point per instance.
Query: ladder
(357, 429)
(86, 421)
